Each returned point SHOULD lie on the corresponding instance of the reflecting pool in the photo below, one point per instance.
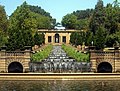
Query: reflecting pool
(60, 85)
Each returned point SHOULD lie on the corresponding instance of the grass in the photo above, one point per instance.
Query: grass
(80, 57)
(44, 53)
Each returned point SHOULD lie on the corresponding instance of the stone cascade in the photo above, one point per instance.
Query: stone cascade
(59, 62)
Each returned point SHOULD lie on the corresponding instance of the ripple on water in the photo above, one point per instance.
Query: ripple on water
(60, 85)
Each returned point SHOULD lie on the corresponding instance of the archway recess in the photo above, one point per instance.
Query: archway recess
(104, 67)
(15, 67)
(57, 38)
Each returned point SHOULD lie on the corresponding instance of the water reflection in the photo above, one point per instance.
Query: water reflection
(60, 85)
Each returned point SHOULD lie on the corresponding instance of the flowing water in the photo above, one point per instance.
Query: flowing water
(60, 85)
(59, 62)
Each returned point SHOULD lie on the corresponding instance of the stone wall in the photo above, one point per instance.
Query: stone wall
(7, 57)
(110, 56)
(60, 37)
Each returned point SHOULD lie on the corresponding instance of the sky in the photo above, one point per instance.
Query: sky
(56, 8)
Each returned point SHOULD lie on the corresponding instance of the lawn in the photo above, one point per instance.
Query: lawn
(42, 54)
(71, 52)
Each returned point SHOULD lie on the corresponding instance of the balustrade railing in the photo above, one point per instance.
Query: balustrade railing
(14, 53)
(105, 55)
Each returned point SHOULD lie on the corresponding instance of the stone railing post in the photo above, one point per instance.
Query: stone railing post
(93, 58)
(3, 67)
(116, 59)
(27, 56)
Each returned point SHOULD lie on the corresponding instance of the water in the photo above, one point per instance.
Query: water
(59, 62)
(60, 85)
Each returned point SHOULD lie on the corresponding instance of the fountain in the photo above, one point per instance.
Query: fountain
(59, 62)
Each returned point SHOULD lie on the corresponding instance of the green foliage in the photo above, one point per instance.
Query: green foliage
(81, 57)
(24, 22)
(83, 14)
(110, 40)
(44, 53)
(3, 39)
(43, 18)
(69, 21)
(20, 29)
(101, 25)
(38, 38)
(3, 20)
(112, 18)
(89, 38)
(3, 26)
(80, 37)
(100, 38)
(98, 17)
(82, 24)
(39, 10)
(77, 20)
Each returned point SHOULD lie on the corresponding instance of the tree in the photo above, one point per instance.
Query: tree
(98, 18)
(24, 22)
(3, 26)
(110, 40)
(116, 3)
(100, 38)
(83, 14)
(3, 38)
(69, 21)
(38, 38)
(73, 38)
(82, 24)
(112, 18)
(43, 22)
(44, 19)
(78, 38)
(21, 28)
(89, 38)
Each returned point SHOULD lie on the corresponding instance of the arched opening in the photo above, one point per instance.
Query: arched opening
(56, 38)
(15, 67)
(104, 67)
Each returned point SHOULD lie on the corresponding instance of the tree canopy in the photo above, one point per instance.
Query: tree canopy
(3, 26)
(101, 25)
(24, 23)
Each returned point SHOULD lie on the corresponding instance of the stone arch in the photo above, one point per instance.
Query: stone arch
(14, 60)
(104, 67)
(57, 38)
(15, 67)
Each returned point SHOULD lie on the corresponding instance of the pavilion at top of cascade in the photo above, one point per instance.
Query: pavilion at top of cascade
(59, 27)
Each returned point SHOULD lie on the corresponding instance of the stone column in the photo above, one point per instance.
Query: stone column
(53, 39)
(60, 38)
(93, 58)
(67, 38)
(26, 60)
(116, 59)
(3, 66)
(46, 38)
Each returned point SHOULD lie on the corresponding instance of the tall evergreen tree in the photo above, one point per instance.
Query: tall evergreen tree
(100, 38)
(98, 18)
(3, 26)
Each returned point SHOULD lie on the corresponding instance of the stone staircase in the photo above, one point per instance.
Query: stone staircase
(58, 62)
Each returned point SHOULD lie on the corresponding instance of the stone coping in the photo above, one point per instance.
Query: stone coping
(59, 76)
